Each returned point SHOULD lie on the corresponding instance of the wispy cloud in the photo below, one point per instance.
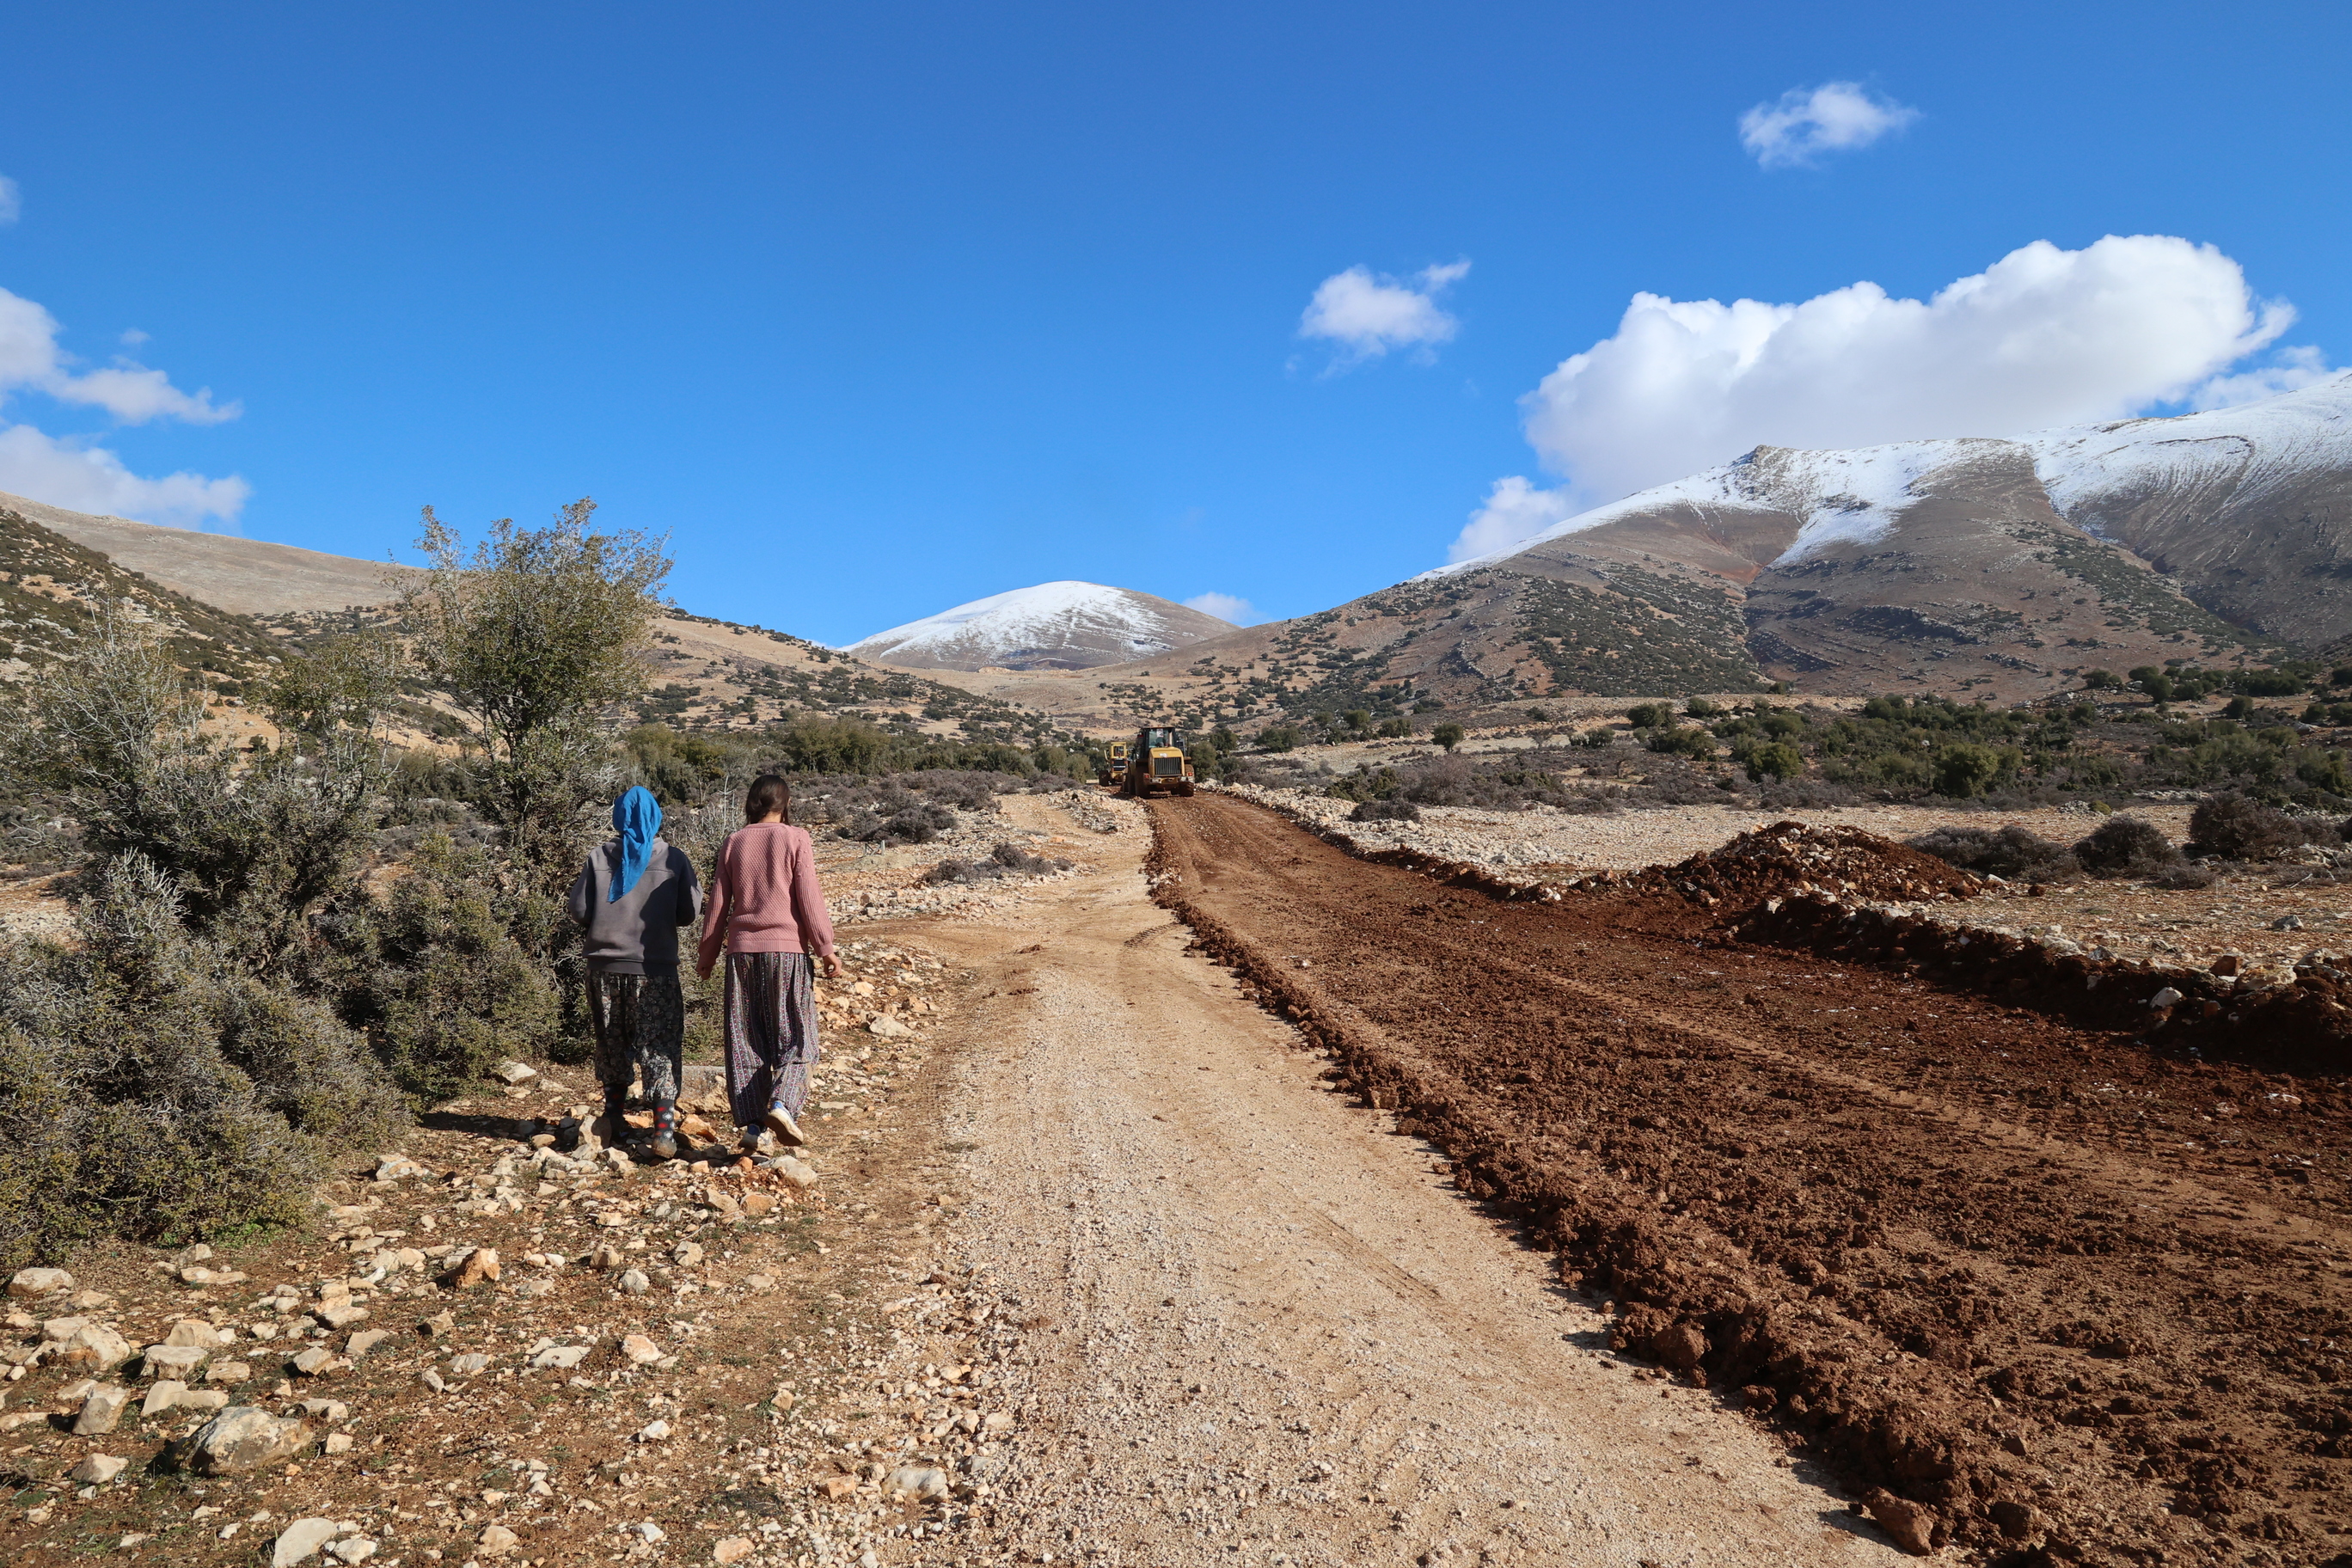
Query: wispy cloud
(31, 360)
(76, 473)
(1835, 117)
(1224, 607)
(1367, 316)
(2040, 338)
(11, 201)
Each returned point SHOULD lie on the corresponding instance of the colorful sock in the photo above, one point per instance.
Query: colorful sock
(664, 1118)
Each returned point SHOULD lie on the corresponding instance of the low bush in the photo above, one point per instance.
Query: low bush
(1386, 810)
(2126, 846)
(153, 1086)
(2009, 852)
(1007, 859)
(2237, 828)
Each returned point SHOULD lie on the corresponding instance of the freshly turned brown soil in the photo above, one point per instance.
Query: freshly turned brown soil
(2081, 1296)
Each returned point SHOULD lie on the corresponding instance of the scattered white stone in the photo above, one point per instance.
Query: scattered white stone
(97, 1469)
(915, 1481)
(470, 1364)
(101, 1410)
(634, 1282)
(337, 1442)
(496, 1541)
(641, 1350)
(28, 1282)
(246, 1437)
(562, 1357)
(301, 1538)
(798, 1171)
(366, 1339)
(356, 1549)
(2167, 998)
(160, 1397)
(654, 1432)
(514, 1072)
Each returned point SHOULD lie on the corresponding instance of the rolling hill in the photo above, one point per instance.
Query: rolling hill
(1052, 625)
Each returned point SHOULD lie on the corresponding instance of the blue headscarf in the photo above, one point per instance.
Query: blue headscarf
(636, 815)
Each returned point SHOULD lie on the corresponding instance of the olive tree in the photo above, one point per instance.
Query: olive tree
(539, 636)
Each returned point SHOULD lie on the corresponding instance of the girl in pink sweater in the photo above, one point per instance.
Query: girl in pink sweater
(767, 912)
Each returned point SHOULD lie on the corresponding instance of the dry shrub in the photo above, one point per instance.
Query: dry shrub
(153, 1086)
(2238, 828)
(2126, 846)
(2009, 852)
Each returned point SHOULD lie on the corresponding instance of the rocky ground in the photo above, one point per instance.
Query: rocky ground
(487, 1348)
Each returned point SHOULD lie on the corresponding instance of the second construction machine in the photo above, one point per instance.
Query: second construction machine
(1157, 765)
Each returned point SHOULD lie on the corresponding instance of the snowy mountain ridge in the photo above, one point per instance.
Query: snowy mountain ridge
(1049, 625)
(2244, 455)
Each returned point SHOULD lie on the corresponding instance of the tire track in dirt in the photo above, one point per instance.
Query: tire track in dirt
(1968, 1253)
(1263, 1328)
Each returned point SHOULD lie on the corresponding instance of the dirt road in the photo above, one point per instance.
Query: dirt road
(1278, 1332)
(2069, 1292)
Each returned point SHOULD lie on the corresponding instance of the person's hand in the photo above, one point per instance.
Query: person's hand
(832, 967)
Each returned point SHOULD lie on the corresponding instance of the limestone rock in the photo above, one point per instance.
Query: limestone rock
(513, 1073)
(313, 1361)
(243, 1438)
(366, 1339)
(479, 1267)
(563, 1357)
(97, 1469)
(101, 1410)
(300, 1540)
(160, 1397)
(354, 1549)
(470, 1364)
(96, 1347)
(496, 1541)
(164, 1361)
(192, 1331)
(654, 1432)
(227, 1371)
(799, 1172)
(634, 1282)
(606, 1255)
(916, 1481)
(640, 1349)
(733, 1549)
(30, 1282)
(837, 1487)
(687, 1254)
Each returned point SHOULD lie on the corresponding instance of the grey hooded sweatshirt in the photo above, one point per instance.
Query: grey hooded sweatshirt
(637, 933)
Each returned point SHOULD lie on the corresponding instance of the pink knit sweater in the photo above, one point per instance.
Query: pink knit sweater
(766, 897)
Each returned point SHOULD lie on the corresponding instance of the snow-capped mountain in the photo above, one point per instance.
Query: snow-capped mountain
(2244, 509)
(1052, 625)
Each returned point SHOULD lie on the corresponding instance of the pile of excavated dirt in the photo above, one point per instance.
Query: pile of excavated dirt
(2042, 1289)
(1792, 857)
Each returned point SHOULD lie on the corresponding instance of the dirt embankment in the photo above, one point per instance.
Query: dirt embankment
(2061, 1294)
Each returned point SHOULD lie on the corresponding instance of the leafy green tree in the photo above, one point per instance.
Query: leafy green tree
(1777, 760)
(539, 636)
(1447, 735)
(1964, 771)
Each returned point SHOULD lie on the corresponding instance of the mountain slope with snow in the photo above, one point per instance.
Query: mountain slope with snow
(2247, 511)
(1052, 625)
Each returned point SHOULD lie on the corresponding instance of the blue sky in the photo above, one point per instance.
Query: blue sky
(877, 309)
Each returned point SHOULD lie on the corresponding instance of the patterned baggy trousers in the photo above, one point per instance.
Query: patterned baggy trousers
(771, 1032)
(640, 1021)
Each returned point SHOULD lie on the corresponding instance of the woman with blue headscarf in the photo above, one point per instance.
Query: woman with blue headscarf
(632, 896)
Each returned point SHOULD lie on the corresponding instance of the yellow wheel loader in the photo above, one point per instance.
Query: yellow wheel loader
(1115, 770)
(1157, 765)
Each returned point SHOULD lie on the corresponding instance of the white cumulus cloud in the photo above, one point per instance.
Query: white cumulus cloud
(81, 477)
(75, 472)
(1224, 607)
(1367, 316)
(31, 359)
(1835, 117)
(12, 203)
(2042, 337)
